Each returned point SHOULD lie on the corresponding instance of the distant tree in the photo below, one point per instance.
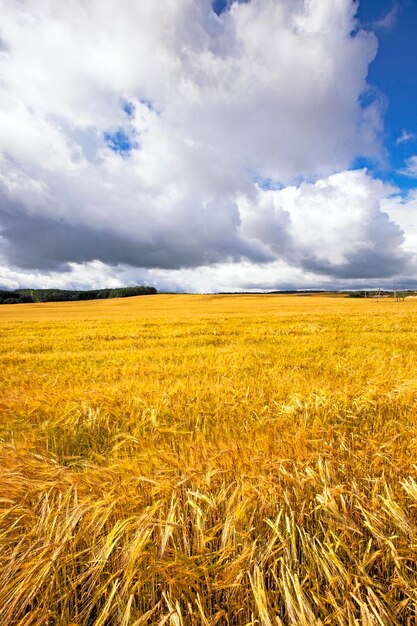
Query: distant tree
(65, 295)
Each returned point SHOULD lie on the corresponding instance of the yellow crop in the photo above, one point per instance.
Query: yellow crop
(202, 460)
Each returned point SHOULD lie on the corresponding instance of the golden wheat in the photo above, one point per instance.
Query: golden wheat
(202, 460)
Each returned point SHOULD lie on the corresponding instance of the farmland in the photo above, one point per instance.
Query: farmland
(202, 460)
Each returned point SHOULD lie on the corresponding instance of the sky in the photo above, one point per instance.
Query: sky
(201, 147)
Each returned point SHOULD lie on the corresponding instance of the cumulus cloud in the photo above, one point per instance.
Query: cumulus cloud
(403, 211)
(347, 229)
(142, 134)
(332, 227)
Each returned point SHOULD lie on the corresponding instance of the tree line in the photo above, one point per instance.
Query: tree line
(68, 295)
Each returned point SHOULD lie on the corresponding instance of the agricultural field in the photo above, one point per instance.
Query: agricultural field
(203, 460)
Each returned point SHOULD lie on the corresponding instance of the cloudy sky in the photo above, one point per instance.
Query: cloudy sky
(200, 146)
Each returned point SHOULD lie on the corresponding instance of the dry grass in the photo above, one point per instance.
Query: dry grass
(188, 460)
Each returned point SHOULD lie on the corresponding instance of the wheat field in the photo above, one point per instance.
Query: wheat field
(203, 460)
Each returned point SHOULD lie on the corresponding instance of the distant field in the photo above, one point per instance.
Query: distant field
(202, 460)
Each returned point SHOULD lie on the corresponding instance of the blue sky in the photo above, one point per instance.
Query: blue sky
(269, 147)
(394, 72)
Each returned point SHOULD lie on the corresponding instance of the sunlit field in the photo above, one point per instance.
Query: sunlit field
(202, 460)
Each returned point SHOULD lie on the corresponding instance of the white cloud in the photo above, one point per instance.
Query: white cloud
(410, 168)
(268, 90)
(334, 227)
(404, 212)
(405, 137)
(389, 20)
(347, 229)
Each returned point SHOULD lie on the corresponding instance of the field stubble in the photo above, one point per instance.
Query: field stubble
(202, 460)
